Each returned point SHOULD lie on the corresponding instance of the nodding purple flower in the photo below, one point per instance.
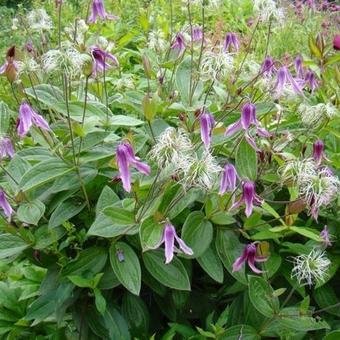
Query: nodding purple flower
(168, 238)
(207, 124)
(284, 77)
(268, 67)
(248, 118)
(98, 10)
(249, 198)
(336, 42)
(197, 33)
(231, 41)
(249, 256)
(27, 118)
(101, 60)
(179, 44)
(5, 205)
(228, 180)
(311, 81)
(6, 148)
(326, 237)
(298, 67)
(318, 151)
(126, 158)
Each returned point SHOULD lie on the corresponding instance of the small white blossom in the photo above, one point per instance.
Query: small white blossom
(38, 20)
(200, 172)
(124, 82)
(67, 59)
(216, 65)
(313, 116)
(173, 147)
(311, 268)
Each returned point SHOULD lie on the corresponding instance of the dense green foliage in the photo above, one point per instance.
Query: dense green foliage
(80, 255)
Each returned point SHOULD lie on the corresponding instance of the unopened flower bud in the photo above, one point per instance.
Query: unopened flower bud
(149, 107)
(147, 66)
(88, 67)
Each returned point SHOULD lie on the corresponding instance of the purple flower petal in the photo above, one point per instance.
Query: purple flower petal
(5, 205)
(123, 166)
(25, 119)
(169, 241)
(228, 180)
(233, 128)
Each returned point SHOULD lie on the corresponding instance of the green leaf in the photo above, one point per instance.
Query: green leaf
(222, 218)
(307, 233)
(120, 216)
(197, 233)
(11, 245)
(172, 275)
(99, 301)
(334, 335)
(84, 282)
(107, 197)
(325, 296)
(229, 249)
(91, 260)
(314, 48)
(135, 313)
(122, 120)
(246, 161)
(112, 222)
(65, 211)
(293, 320)
(42, 173)
(262, 296)
(238, 332)
(31, 212)
(212, 264)
(150, 233)
(126, 267)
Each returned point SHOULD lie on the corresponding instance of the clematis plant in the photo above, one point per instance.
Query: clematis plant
(125, 159)
(169, 237)
(98, 10)
(248, 118)
(231, 42)
(228, 180)
(249, 198)
(6, 148)
(249, 256)
(207, 124)
(101, 60)
(27, 118)
(6, 207)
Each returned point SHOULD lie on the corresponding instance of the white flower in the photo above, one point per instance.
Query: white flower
(314, 116)
(157, 40)
(216, 65)
(66, 59)
(200, 172)
(38, 20)
(267, 9)
(173, 147)
(311, 268)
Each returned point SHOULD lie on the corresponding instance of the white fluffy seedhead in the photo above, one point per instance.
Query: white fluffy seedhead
(313, 116)
(38, 20)
(311, 268)
(66, 60)
(200, 172)
(172, 149)
(216, 64)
